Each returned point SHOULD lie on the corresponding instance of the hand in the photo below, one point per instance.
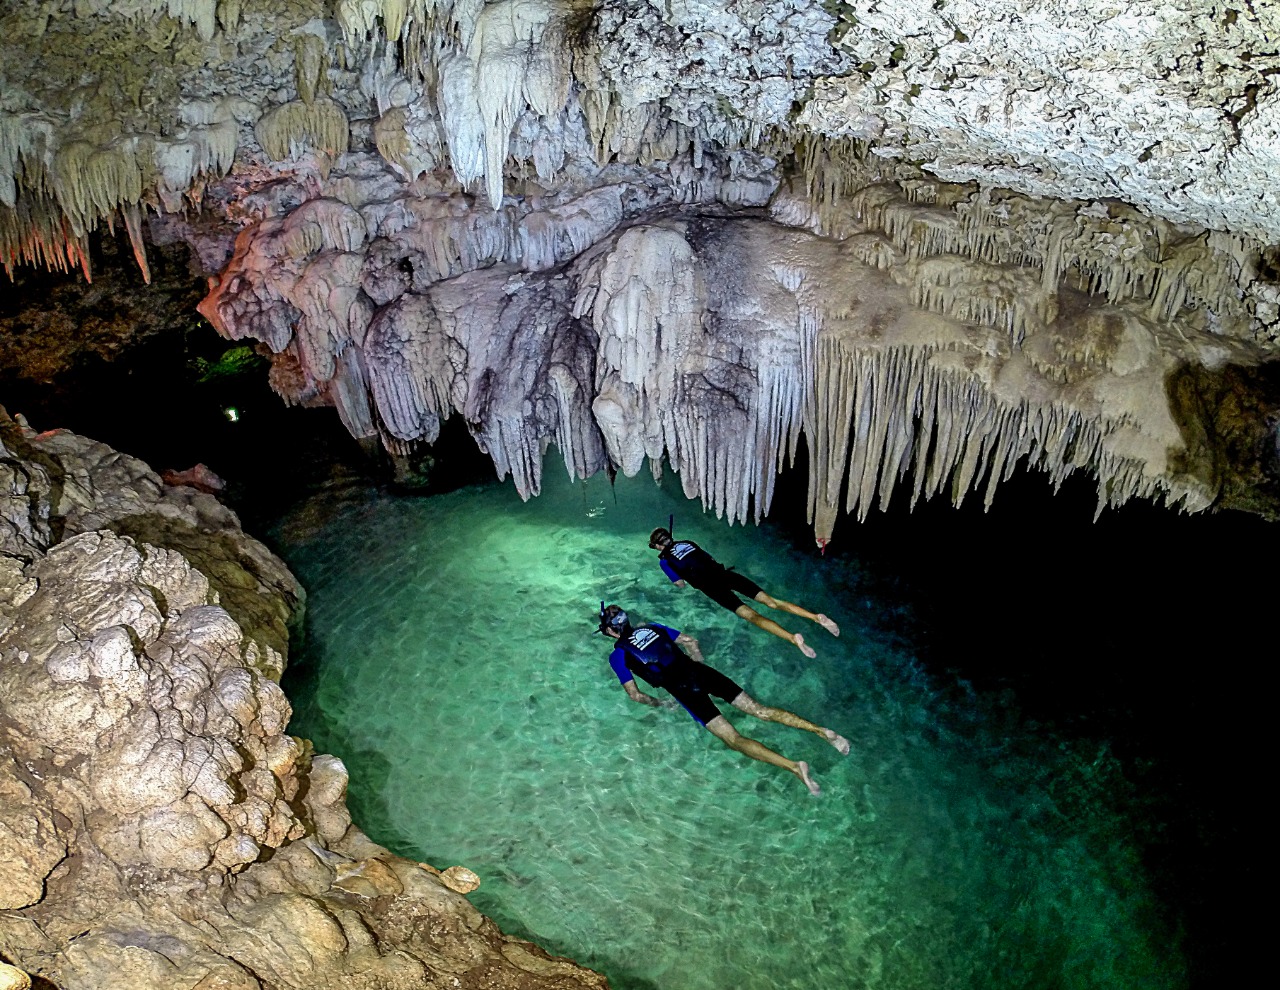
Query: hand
(680, 583)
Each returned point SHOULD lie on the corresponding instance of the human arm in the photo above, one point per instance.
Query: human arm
(635, 694)
(690, 646)
(618, 661)
(669, 571)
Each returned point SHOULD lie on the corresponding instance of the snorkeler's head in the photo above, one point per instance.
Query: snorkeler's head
(613, 619)
(659, 539)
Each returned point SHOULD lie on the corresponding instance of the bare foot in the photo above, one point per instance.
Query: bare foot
(838, 741)
(829, 625)
(802, 771)
(808, 651)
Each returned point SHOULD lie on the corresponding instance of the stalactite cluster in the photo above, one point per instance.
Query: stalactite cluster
(494, 210)
(936, 336)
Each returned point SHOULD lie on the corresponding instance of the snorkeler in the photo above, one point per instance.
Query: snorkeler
(684, 562)
(657, 654)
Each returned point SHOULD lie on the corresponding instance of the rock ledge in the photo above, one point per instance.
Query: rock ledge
(158, 826)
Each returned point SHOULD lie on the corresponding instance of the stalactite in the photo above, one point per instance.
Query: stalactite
(956, 415)
(295, 127)
(511, 61)
(349, 392)
(310, 64)
(392, 140)
(203, 15)
(132, 217)
(832, 170)
(322, 225)
(37, 232)
(11, 156)
(991, 295)
(646, 310)
(90, 182)
(1106, 249)
(520, 347)
(95, 173)
(442, 239)
(205, 148)
(401, 353)
(357, 19)
(552, 237)
(229, 12)
(878, 411)
(333, 310)
(401, 20)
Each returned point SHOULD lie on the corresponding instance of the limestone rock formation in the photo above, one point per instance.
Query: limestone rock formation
(935, 333)
(12, 978)
(158, 826)
(933, 239)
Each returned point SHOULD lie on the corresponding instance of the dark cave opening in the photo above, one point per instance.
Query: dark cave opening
(154, 380)
(1142, 630)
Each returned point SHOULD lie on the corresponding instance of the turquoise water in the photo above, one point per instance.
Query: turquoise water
(449, 660)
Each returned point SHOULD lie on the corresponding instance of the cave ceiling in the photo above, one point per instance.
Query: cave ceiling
(934, 239)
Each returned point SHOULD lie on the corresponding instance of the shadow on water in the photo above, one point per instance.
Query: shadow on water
(368, 767)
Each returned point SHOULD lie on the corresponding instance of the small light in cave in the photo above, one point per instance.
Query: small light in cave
(232, 413)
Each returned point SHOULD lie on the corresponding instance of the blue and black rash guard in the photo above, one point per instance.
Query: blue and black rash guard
(648, 651)
(685, 560)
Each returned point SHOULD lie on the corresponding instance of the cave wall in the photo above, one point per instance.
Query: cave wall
(521, 212)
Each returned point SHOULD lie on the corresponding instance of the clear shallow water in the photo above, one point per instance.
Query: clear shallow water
(450, 662)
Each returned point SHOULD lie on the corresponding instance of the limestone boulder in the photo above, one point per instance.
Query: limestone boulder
(159, 828)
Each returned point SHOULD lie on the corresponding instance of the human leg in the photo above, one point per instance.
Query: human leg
(727, 734)
(768, 601)
(769, 626)
(745, 703)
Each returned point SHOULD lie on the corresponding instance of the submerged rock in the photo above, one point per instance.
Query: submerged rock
(158, 826)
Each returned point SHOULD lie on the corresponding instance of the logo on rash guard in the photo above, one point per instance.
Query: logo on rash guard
(643, 638)
(682, 550)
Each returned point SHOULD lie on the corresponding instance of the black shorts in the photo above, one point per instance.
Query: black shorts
(696, 685)
(720, 588)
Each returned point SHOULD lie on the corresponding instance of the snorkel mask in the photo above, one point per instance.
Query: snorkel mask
(612, 617)
(659, 538)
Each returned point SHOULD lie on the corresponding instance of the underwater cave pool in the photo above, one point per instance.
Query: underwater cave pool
(450, 661)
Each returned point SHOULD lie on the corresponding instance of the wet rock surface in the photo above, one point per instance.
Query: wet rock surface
(158, 826)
